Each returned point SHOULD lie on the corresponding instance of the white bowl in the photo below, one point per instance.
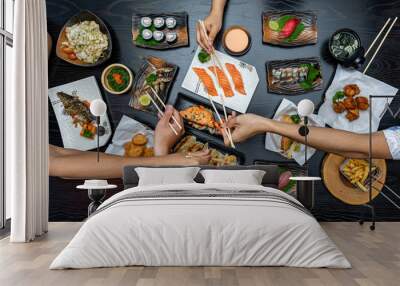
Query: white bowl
(96, 185)
(104, 79)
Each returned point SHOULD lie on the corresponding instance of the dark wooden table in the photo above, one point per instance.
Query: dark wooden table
(366, 17)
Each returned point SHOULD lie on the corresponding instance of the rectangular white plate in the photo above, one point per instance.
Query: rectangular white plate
(237, 102)
(86, 89)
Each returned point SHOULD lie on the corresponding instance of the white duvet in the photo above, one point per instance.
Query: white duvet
(202, 231)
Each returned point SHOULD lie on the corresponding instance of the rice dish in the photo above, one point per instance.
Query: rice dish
(170, 37)
(170, 22)
(87, 41)
(147, 34)
(158, 22)
(146, 22)
(158, 36)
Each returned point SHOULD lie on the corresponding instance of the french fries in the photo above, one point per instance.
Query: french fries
(357, 171)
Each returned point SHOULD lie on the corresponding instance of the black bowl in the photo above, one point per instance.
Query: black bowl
(357, 59)
(84, 15)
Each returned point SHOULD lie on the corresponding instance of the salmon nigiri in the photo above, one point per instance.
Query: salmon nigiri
(236, 78)
(222, 80)
(206, 80)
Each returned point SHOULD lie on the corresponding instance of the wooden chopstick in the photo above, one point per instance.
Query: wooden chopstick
(377, 37)
(219, 117)
(163, 104)
(380, 45)
(215, 58)
(159, 99)
(213, 55)
(223, 104)
(162, 113)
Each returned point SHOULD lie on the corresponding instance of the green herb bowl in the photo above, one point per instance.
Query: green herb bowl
(106, 84)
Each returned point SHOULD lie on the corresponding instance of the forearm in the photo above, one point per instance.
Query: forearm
(333, 140)
(85, 165)
(217, 7)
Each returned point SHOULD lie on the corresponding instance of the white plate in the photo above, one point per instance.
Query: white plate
(127, 127)
(368, 86)
(86, 89)
(273, 141)
(237, 102)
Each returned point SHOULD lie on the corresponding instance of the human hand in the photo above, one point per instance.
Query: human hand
(244, 126)
(164, 137)
(192, 158)
(213, 24)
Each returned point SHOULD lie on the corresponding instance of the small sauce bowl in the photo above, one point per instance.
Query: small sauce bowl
(236, 33)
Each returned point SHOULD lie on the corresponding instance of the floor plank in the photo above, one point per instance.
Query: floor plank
(375, 257)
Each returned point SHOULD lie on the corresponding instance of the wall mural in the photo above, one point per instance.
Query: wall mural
(139, 60)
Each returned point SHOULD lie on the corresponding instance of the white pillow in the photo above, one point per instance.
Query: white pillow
(166, 176)
(246, 177)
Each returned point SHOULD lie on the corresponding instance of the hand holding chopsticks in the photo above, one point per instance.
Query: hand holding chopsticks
(163, 104)
(215, 59)
(162, 113)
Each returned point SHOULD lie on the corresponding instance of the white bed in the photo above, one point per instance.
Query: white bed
(203, 225)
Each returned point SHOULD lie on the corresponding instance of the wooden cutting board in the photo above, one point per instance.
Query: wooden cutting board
(341, 188)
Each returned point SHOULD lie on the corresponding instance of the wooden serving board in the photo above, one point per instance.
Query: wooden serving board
(291, 88)
(80, 17)
(308, 36)
(341, 188)
(181, 30)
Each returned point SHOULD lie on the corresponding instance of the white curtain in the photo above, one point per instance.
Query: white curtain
(27, 124)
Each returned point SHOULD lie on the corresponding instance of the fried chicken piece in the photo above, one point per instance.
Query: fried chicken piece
(135, 151)
(148, 152)
(339, 107)
(352, 114)
(351, 90)
(286, 143)
(139, 139)
(127, 146)
(362, 102)
(350, 103)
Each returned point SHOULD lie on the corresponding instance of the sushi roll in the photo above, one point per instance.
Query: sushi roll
(145, 22)
(159, 22)
(147, 34)
(170, 22)
(171, 37)
(158, 36)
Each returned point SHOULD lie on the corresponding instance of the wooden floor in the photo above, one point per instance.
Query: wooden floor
(375, 257)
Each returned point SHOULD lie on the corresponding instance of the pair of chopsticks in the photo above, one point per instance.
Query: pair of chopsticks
(161, 112)
(215, 60)
(383, 194)
(163, 104)
(381, 43)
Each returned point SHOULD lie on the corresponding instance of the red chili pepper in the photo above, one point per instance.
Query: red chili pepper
(289, 27)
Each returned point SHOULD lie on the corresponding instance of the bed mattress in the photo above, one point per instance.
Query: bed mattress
(201, 225)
